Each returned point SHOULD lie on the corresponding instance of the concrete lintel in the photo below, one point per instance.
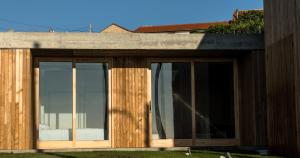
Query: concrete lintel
(163, 41)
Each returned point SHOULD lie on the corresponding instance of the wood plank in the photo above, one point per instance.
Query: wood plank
(74, 103)
(13, 107)
(128, 104)
(149, 108)
(194, 130)
(143, 107)
(297, 49)
(237, 99)
(37, 99)
(29, 102)
(110, 104)
(21, 106)
(5, 99)
(7, 102)
(114, 104)
(17, 101)
(70, 145)
(1, 97)
(10, 101)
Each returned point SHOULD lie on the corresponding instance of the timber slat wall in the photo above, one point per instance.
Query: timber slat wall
(129, 104)
(283, 74)
(15, 99)
(253, 130)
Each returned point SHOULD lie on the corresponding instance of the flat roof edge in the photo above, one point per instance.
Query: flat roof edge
(130, 41)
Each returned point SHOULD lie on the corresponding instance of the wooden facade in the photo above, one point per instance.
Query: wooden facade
(130, 95)
(282, 21)
(15, 99)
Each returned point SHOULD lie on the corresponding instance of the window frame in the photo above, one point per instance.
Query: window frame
(195, 141)
(71, 143)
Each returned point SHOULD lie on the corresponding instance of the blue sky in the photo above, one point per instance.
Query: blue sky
(76, 15)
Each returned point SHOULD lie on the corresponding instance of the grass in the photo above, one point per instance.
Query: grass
(130, 154)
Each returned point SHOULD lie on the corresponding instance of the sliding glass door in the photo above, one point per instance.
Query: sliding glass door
(73, 104)
(193, 103)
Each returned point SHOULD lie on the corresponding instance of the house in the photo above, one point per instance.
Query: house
(130, 90)
(178, 28)
(141, 90)
(115, 28)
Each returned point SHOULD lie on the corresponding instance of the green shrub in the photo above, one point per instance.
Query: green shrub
(249, 22)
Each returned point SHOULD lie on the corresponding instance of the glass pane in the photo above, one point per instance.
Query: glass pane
(214, 100)
(91, 101)
(55, 101)
(171, 101)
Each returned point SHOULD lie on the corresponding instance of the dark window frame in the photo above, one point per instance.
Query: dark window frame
(194, 141)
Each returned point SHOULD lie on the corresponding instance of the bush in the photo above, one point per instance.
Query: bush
(248, 22)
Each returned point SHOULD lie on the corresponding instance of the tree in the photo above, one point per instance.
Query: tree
(248, 22)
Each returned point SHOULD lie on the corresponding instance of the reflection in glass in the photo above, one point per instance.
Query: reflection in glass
(91, 101)
(55, 101)
(214, 100)
(171, 101)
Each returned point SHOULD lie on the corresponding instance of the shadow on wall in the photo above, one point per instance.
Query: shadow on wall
(232, 42)
(36, 45)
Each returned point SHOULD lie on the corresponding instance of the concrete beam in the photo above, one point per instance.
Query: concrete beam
(45, 40)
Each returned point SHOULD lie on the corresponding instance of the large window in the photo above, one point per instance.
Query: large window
(193, 100)
(73, 102)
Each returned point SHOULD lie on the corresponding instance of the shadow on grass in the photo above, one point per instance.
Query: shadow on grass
(61, 155)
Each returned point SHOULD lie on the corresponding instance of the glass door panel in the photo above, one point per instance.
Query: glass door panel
(171, 101)
(214, 94)
(91, 101)
(55, 101)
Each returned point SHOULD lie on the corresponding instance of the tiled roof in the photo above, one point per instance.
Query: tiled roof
(176, 28)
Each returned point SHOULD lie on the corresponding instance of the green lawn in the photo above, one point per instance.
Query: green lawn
(129, 154)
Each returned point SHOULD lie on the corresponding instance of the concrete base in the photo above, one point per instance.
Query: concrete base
(92, 150)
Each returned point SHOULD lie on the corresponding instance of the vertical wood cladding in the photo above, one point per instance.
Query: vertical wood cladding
(253, 99)
(15, 99)
(129, 104)
(283, 74)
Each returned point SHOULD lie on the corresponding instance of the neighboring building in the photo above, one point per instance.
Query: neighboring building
(115, 28)
(179, 28)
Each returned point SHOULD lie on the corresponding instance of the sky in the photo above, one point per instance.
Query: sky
(76, 15)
